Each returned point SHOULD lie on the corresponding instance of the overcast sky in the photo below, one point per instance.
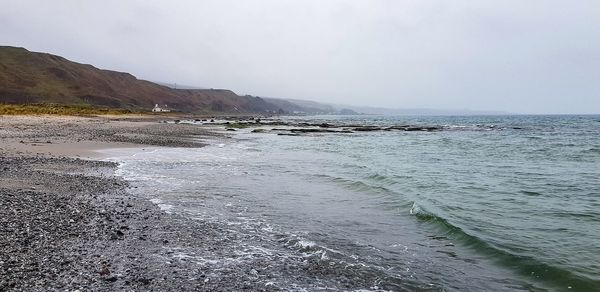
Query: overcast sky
(517, 56)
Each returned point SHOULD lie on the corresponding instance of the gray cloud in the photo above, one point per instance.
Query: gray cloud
(519, 56)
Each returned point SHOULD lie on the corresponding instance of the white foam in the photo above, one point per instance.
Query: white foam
(156, 201)
(305, 244)
(165, 207)
(415, 209)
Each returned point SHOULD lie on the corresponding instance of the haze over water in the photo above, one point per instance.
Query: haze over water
(488, 203)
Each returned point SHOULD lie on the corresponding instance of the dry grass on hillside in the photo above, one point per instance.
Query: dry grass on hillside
(58, 109)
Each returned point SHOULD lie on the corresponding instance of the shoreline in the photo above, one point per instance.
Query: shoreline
(72, 223)
(69, 223)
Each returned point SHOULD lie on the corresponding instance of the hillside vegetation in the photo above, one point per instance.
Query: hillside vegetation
(59, 109)
(39, 78)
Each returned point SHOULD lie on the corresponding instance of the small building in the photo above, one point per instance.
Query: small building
(158, 109)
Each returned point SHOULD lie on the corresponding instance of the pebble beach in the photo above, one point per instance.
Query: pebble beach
(68, 223)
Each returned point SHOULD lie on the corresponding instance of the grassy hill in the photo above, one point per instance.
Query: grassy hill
(33, 78)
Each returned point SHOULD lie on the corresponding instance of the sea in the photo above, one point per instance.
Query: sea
(486, 203)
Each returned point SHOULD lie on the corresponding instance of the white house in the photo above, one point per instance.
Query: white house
(158, 109)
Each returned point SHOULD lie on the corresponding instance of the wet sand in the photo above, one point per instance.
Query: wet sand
(69, 224)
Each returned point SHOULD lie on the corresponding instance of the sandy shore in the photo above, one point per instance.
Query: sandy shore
(70, 224)
(81, 136)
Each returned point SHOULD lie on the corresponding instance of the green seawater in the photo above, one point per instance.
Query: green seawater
(488, 203)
